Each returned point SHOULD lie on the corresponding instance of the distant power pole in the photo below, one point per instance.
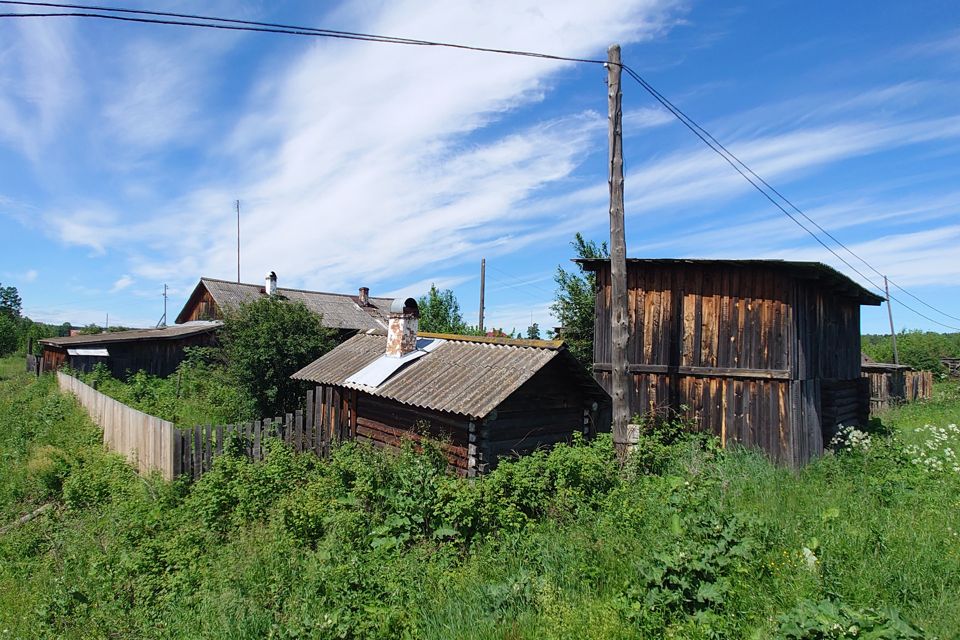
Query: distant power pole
(106, 324)
(623, 438)
(163, 322)
(893, 334)
(483, 277)
(238, 242)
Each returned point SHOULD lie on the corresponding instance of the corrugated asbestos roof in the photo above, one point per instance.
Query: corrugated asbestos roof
(812, 270)
(465, 376)
(339, 311)
(166, 333)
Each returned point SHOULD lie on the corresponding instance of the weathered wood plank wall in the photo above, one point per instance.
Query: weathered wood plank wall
(752, 354)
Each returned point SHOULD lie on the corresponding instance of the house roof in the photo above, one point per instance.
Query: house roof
(339, 311)
(167, 333)
(829, 277)
(469, 376)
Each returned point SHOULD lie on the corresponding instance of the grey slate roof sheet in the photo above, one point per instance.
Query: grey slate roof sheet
(339, 311)
(460, 376)
(166, 333)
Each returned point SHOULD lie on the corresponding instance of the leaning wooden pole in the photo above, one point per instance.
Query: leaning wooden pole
(618, 262)
(893, 332)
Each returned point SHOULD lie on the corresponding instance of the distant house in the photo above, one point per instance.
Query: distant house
(345, 313)
(156, 351)
(484, 398)
(761, 352)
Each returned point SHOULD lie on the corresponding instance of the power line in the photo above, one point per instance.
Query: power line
(520, 282)
(212, 22)
(749, 175)
(733, 160)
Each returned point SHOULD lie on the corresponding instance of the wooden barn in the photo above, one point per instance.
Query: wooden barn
(761, 352)
(156, 351)
(346, 313)
(893, 384)
(484, 398)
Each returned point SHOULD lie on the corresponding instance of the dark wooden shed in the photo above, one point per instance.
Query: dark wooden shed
(761, 352)
(483, 398)
(156, 351)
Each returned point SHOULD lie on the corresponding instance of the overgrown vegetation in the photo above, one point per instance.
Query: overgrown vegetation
(919, 349)
(202, 391)
(265, 342)
(688, 542)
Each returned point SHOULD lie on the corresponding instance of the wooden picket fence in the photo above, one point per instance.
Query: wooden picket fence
(154, 444)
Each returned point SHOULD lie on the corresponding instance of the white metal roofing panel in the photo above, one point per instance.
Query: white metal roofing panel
(378, 371)
(100, 353)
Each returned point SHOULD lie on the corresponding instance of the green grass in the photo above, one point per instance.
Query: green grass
(373, 545)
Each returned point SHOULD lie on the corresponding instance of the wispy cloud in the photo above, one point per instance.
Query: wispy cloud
(345, 191)
(39, 84)
(122, 283)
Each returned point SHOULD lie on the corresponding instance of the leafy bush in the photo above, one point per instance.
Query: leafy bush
(919, 349)
(90, 485)
(49, 466)
(268, 340)
(828, 620)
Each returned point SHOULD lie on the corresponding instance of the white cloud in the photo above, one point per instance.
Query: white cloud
(342, 190)
(122, 283)
(38, 82)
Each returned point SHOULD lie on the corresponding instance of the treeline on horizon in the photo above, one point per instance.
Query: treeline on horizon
(919, 349)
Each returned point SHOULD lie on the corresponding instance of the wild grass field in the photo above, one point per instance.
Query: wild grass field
(687, 541)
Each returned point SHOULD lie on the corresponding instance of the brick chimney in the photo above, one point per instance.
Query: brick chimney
(270, 285)
(402, 327)
(364, 296)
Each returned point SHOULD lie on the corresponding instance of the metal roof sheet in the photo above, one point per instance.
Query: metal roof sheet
(339, 311)
(100, 353)
(375, 373)
(465, 376)
(815, 270)
(165, 333)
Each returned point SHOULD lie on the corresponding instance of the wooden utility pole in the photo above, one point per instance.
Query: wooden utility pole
(483, 280)
(238, 242)
(623, 437)
(893, 333)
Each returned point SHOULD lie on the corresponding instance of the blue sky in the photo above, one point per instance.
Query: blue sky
(123, 148)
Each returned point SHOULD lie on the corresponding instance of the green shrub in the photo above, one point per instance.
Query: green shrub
(827, 619)
(95, 482)
(49, 466)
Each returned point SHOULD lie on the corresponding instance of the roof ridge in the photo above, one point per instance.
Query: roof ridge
(326, 293)
(496, 340)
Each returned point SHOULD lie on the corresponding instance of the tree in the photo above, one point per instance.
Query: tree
(10, 302)
(440, 313)
(265, 342)
(9, 334)
(533, 332)
(90, 330)
(574, 306)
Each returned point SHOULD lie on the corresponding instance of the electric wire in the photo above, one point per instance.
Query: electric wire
(191, 20)
(717, 146)
(708, 139)
(746, 173)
